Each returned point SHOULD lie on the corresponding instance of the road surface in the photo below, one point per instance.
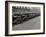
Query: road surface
(28, 25)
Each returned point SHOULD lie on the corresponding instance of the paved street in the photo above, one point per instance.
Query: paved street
(30, 24)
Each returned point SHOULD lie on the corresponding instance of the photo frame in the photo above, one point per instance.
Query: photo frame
(24, 18)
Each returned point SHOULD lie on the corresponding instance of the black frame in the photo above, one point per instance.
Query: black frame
(6, 18)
